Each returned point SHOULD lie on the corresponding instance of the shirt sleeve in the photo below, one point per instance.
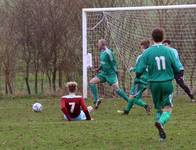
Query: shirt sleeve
(175, 63)
(64, 109)
(84, 108)
(133, 69)
(141, 65)
(178, 59)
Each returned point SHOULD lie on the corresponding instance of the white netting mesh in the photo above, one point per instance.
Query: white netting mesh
(125, 29)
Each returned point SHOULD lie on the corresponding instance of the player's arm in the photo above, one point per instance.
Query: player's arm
(64, 109)
(178, 60)
(133, 69)
(177, 67)
(141, 66)
(84, 108)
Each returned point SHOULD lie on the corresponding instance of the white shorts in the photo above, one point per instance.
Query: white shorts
(81, 117)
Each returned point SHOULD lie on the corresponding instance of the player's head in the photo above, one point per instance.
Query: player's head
(157, 35)
(72, 87)
(167, 42)
(102, 44)
(144, 44)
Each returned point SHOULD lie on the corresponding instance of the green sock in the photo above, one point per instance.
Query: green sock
(158, 115)
(140, 102)
(94, 91)
(165, 116)
(122, 94)
(129, 105)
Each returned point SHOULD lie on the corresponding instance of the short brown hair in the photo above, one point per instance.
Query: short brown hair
(166, 41)
(157, 35)
(145, 43)
(72, 86)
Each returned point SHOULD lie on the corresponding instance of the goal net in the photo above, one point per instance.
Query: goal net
(124, 28)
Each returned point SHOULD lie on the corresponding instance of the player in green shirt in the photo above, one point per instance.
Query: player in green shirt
(139, 85)
(107, 73)
(162, 65)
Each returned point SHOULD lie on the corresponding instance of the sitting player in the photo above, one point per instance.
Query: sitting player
(179, 77)
(107, 73)
(139, 85)
(71, 105)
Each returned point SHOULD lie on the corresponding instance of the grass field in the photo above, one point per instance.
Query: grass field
(20, 128)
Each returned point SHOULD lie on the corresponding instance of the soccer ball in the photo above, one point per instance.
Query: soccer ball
(37, 107)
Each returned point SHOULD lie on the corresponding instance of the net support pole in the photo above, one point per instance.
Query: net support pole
(84, 53)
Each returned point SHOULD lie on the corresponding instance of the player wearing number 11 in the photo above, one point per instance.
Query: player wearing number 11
(162, 65)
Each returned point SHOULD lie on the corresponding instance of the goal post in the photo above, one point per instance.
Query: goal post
(125, 27)
(84, 54)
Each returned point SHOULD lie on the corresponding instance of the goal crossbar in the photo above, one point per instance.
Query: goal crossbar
(139, 8)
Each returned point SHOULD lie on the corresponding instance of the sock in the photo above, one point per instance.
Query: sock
(94, 91)
(129, 105)
(140, 102)
(165, 116)
(122, 94)
(158, 115)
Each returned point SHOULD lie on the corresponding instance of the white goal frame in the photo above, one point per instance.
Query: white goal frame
(88, 63)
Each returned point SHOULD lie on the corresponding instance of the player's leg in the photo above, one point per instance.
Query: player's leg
(180, 81)
(167, 102)
(156, 91)
(162, 97)
(120, 92)
(113, 81)
(100, 78)
(81, 117)
(65, 117)
(163, 118)
(93, 86)
(140, 88)
(136, 96)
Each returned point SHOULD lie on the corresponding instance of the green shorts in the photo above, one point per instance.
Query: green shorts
(109, 78)
(137, 89)
(162, 94)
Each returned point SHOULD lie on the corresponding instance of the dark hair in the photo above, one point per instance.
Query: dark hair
(166, 41)
(157, 35)
(145, 43)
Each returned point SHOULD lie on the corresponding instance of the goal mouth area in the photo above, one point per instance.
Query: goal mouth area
(125, 27)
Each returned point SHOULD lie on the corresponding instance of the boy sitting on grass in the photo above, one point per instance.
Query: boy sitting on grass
(73, 106)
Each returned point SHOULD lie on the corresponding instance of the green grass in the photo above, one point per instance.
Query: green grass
(20, 128)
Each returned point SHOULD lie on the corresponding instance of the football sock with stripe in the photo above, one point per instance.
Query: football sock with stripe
(94, 91)
(158, 115)
(121, 93)
(129, 105)
(139, 102)
(164, 118)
